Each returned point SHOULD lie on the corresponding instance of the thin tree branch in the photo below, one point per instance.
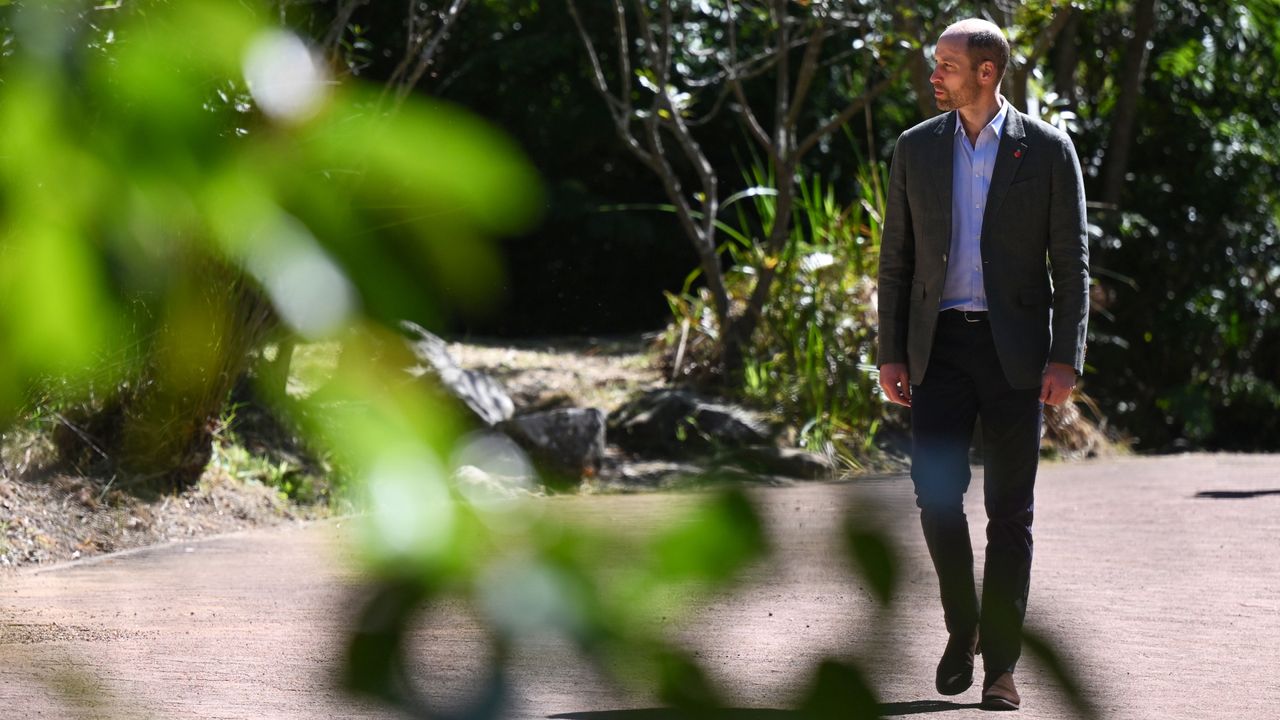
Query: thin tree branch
(597, 70)
(624, 53)
(649, 43)
(429, 50)
(781, 101)
(848, 112)
(664, 54)
(668, 115)
(619, 108)
(703, 240)
(808, 66)
(753, 123)
(412, 43)
(697, 158)
(721, 96)
(413, 39)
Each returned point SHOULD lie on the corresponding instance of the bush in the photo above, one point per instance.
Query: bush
(810, 361)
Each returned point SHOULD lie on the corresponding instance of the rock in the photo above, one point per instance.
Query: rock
(676, 423)
(566, 444)
(789, 462)
(484, 396)
(642, 474)
(483, 487)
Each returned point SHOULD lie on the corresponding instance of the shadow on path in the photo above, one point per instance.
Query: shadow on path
(669, 714)
(1235, 494)
(921, 707)
(887, 710)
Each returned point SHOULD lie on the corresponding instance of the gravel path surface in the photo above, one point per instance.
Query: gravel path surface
(1160, 578)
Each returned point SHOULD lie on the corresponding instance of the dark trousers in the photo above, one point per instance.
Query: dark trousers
(964, 382)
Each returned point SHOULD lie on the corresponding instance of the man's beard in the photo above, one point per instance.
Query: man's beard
(962, 96)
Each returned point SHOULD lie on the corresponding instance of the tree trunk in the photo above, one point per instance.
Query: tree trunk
(908, 24)
(157, 428)
(1066, 58)
(653, 39)
(740, 329)
(1015, 86)
(273, 377)
(1126, 110)
(1018, 73)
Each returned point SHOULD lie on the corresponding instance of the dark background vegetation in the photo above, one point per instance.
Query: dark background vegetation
(1171, 104)
(1185, 342)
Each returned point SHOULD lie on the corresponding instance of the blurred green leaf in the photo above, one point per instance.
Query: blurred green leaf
(874, 558)
(682, 684)
(374, 662)
(1045, 652)
(720, 539)
(839, 692)
(469, 169)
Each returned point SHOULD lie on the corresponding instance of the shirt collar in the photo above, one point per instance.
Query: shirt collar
(997, 122)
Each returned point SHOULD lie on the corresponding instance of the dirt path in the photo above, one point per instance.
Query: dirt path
(1161, 576)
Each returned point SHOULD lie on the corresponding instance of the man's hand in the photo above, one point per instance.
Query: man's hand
(896, 383)
(1059, 380)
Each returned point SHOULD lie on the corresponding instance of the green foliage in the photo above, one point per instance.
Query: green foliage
(179, 224)
(232, 457)
(251, 445)
(1185, 338)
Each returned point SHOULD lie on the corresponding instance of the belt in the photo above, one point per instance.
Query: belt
(972, 316)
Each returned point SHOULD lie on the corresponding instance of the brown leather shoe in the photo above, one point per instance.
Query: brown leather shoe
(955, 669)
(999, 693)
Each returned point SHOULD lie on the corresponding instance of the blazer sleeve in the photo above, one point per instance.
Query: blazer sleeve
(1068, 259)
(897, 263)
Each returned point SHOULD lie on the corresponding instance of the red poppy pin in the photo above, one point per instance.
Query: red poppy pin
(1017, 153)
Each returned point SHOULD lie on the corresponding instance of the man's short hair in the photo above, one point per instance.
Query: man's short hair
(986, 45)
(985, 42)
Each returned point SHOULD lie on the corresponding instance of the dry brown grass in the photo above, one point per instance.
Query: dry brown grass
(584, 372)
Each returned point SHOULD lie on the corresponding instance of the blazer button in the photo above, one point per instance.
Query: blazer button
(944, 257)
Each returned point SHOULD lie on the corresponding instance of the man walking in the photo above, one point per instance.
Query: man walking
(983, 305)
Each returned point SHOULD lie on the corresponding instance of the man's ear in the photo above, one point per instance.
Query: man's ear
(987, 70)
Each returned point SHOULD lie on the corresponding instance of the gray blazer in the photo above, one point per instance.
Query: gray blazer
(1035, 212)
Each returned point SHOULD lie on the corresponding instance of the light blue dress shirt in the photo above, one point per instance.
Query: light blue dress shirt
(970, 180)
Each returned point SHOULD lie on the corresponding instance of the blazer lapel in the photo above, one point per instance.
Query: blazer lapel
(1008, 158)
(941, 167)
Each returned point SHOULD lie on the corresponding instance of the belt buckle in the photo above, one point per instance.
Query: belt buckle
(977, 316)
